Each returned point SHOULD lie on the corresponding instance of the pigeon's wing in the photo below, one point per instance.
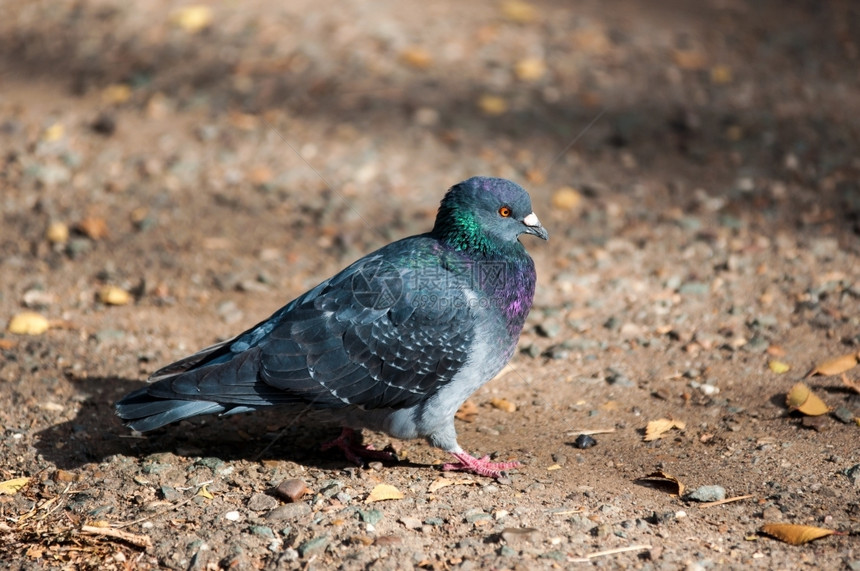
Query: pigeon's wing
(378, 335)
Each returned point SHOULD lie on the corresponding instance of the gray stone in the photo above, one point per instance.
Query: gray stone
(707, 494)
(289, 512)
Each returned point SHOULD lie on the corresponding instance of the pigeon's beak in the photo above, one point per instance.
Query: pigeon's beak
(533, 226)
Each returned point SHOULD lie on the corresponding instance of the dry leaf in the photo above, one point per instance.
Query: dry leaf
(492, 105)
(519, 12)
(11, 487)
(854, 385)
(802, 399)
(54, 133)
(193, 18)
(468, 411)
(503, 404)
(721, 74)
(116, 93)
(670, 483)
(93, 227)
(384, 492)
(57, 233)
(657, 428)
(835, 366)
(530, 69)
(778, 367)
(416, 57)
(28, 323)
(112, 295)
(205, 493)
(795, 534)
(566, 198)
(443, 482)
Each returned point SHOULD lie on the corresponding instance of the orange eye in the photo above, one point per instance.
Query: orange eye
(505, 211)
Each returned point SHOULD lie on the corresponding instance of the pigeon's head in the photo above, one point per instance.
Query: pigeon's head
(485, 213)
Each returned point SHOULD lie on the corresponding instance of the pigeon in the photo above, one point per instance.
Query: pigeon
(395, 342)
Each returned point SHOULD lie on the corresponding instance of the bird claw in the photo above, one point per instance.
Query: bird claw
(349, 442)
(480, 466)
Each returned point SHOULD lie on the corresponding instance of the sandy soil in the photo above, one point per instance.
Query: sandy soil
(695, 163)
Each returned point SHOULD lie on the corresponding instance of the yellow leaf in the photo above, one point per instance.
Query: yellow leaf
(54, 133)
(193, 18)
(503, 404)
(519, 12)
(721, 74)
(116, 93)
(11, 487)
(566, 198)
(384, 492)
(112, 295)
(834, 366)
(854, 385)
(416, 57)
(28, 323)
(530, 69)
(778, 367)
(795, 534)
(468, 411)
(657, 428)
(443, 482)
(668, 482)
(205, 493)
(803, 400)
(492, 105)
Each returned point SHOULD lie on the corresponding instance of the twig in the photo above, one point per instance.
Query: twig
(590, 432)
(135, 539)
(725, 501)
(591, 556)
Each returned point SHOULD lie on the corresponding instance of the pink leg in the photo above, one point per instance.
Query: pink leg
(349, 442)
(482, 466)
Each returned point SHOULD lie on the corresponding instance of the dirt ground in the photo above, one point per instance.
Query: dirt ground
(696, 165)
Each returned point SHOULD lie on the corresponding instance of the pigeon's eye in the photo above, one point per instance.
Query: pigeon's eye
(505, 211)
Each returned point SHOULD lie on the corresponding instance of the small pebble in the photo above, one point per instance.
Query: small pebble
(517, 535)
(289, 512)
(262, 503)
(232, 516)
(313, 546)
(842, 414)
(707, 494)
(291, 490)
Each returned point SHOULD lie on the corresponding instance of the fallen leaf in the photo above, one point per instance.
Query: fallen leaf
(116, 93)
(519, 12)
(795, 534)
(11, 487)
(530, 69)
(57, 233)
(192, 18)
(204, 492)
(384, 492)
(416, 57)
(503, 404)
(28, 323)
(689, 60)
(802, 399)
(54, 133)
(93, 227)
(721, 74)
(834, 366)
(778, 367)
(854, 385)
(492, 105)
(7, 344)
(444, 482)
(657, 428)
(668, 482)
(566, 198)
(112, 295)
(468, 411)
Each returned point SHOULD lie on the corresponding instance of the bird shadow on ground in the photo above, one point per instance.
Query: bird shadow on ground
(96, 433)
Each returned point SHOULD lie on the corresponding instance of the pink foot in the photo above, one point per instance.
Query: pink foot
(482, 466)
(349, 442)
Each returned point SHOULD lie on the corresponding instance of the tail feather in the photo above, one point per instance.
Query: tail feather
(143, 412)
